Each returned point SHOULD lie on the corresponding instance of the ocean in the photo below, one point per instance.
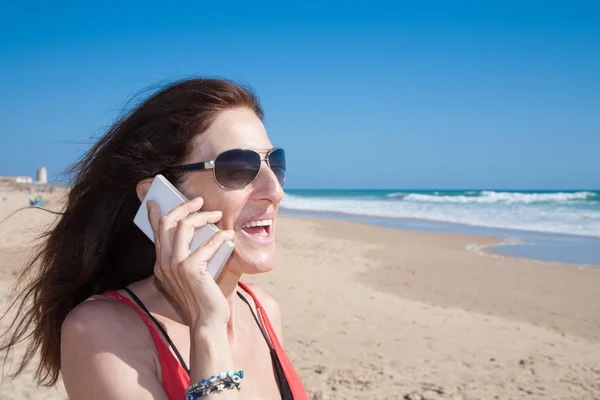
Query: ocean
(561, 226)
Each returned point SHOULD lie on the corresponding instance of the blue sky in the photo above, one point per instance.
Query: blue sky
(424, 94)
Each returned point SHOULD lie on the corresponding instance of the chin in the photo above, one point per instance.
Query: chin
(252, 262)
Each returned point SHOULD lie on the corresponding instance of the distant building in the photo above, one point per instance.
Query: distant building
(42, 175)
(16, 179)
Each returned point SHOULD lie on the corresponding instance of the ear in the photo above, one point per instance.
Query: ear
(142, 187)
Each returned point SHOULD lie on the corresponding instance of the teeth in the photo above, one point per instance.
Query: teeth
(264, 222)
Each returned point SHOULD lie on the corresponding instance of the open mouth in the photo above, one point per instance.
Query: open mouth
(258, 228)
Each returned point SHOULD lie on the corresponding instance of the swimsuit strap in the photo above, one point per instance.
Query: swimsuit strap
(291, 377)
(282, 383)
(174, 378)
(160, 327)
(257, 321)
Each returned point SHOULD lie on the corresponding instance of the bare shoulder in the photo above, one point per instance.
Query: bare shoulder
(103, 342)
(98, 315)
(102, 325)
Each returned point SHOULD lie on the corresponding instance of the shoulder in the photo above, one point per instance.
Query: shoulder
(98, 315)
(270, 305)
(101, 325)
(102, 342)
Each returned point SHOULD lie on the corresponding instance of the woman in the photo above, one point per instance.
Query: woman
(122, 318)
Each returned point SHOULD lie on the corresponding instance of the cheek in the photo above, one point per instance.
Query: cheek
(230, 205)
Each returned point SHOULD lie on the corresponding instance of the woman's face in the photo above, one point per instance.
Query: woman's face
(254, 246)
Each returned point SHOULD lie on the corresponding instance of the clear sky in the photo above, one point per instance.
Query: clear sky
(419, 94)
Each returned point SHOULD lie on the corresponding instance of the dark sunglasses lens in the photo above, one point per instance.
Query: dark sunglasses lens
(234, 169)
(278, 164)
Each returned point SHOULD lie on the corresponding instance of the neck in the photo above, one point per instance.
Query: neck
(227, 282)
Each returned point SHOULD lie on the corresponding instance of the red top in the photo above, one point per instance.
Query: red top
(174, 377)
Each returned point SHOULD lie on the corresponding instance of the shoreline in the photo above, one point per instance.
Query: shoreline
(579, 250)
(490, 250)
(402, 278)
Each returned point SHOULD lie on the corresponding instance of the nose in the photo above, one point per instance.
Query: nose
(266, 185)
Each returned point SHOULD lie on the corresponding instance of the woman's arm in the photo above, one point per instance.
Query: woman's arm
(183, 274)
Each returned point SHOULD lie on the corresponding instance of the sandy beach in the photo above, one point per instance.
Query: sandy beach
(379, 313)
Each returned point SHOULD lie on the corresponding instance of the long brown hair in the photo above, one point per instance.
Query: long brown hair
(94, 246)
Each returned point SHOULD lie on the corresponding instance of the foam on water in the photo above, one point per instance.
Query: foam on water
(576, 213)
(488, 197)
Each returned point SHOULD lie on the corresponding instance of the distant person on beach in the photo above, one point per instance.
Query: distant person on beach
(122, 318)
(37, 201)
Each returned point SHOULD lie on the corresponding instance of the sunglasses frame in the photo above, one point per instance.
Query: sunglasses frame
(210, 164)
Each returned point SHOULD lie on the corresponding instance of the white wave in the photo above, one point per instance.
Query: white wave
(491, 197)
(398, 195)
(520, 216)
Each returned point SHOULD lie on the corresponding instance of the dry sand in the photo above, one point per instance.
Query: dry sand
(378, 313)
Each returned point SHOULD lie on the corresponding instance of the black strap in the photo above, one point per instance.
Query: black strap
(282, 383)
(160, 327)
(256, 319)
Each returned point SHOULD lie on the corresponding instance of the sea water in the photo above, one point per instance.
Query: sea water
(562, 226)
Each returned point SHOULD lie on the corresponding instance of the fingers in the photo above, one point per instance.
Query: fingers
(183, 274)
(185, 232)
(169, 222)
(184, 209)
(179, 212)
(205, 252)
(163, 226)
(173, 233)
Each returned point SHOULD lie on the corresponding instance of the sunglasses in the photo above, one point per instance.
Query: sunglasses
(237, 168)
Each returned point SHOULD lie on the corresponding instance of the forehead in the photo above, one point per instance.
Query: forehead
(234, 128)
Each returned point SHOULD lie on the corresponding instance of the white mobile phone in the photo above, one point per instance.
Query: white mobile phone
(168, 197)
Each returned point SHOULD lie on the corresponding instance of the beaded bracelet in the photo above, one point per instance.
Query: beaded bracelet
(225, 380)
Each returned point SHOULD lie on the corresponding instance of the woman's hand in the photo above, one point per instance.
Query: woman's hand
(183, 273)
